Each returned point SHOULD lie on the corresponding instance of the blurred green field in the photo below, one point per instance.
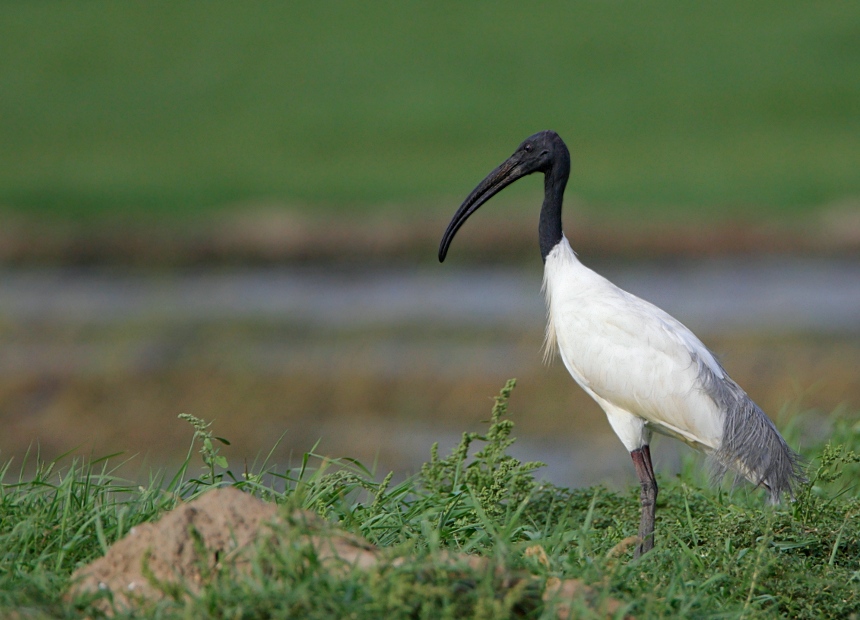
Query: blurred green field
(672, 109)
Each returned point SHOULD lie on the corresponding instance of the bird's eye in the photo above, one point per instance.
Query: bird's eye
(528, 148)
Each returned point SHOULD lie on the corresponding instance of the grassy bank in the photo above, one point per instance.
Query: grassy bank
(671, 109)
(719, 553)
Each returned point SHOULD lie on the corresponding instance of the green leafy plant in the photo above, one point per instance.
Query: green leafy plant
(212, 460)
(819, 494)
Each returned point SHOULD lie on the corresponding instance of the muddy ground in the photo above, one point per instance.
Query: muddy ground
(223, 530)
(98, 403)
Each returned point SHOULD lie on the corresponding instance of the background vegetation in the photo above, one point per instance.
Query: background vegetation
(672, 109)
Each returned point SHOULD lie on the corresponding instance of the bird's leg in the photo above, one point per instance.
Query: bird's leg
(645, 471)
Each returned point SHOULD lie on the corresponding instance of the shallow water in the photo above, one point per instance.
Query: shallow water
(772, 294)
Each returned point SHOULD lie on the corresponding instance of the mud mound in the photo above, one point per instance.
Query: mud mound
(195, 539)
(179, 553)
(224, 521)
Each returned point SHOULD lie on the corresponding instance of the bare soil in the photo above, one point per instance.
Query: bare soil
(182, 551)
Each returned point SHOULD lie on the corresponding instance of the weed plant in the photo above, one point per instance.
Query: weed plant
(720, 552)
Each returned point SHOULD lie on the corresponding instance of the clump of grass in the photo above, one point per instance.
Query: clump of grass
(717, 553)
(461, 499)
(496, 480)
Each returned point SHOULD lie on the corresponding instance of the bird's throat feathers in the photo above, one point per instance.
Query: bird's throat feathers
(558, 259)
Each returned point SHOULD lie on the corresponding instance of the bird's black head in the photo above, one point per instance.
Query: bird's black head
(537, 153)
(544, 152)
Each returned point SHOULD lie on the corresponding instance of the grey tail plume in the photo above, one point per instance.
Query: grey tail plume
(751, 444)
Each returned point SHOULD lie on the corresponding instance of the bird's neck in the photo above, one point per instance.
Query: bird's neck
(555, 180)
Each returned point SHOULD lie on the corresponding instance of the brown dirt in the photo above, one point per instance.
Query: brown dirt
(226, 521)
(194, 540)
(191, 543)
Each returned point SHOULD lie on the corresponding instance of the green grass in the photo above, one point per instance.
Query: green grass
(701, 110)
(719, 554)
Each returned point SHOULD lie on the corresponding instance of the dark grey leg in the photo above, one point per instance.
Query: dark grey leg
(645, 471)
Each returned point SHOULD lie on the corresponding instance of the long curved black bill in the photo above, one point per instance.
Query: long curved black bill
(495, 182)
